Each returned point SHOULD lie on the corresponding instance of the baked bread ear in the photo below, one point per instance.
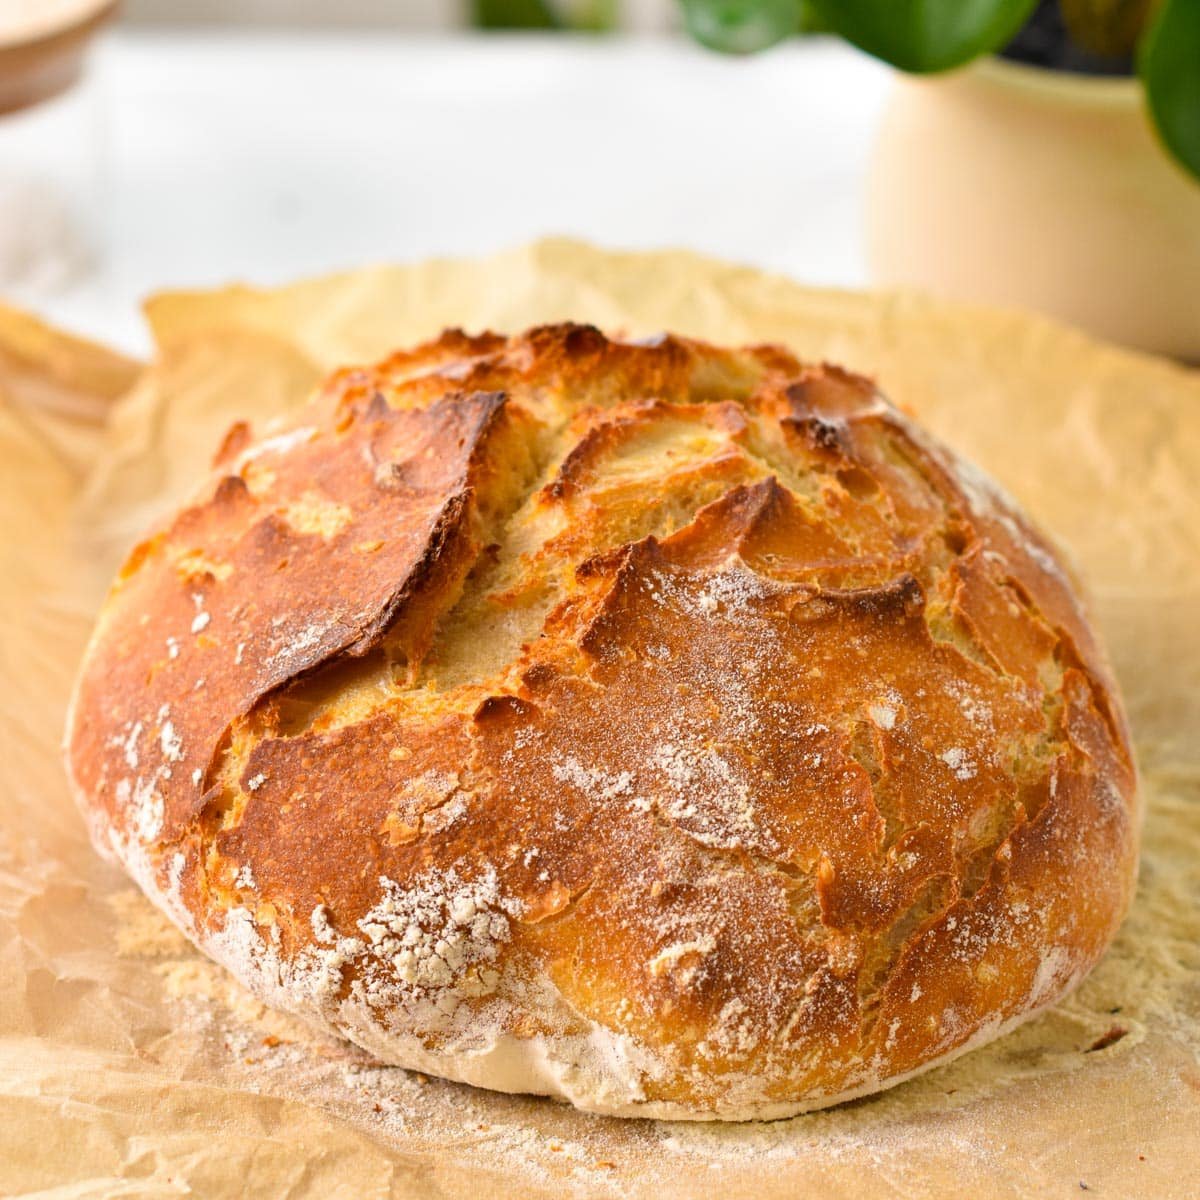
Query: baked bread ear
(681, 732)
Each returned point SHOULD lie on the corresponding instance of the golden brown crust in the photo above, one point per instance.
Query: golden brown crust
(675, 730)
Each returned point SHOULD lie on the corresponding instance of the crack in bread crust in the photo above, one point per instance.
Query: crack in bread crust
(687, 712)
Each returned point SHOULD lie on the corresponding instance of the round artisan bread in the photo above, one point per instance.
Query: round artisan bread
(678, 731)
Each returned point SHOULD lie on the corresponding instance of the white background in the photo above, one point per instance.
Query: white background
(262, 157)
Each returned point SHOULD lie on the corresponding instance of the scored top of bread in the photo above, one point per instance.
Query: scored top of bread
(678, 731)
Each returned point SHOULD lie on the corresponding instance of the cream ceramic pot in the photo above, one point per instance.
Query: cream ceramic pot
(1015, 185)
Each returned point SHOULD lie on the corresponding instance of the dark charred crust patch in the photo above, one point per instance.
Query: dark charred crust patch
(231, 491)
(579, 340)
(500, 709)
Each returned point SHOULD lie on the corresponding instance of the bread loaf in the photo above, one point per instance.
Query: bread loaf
(677, 731)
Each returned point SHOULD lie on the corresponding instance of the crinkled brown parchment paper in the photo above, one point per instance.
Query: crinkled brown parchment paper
(131, 1067)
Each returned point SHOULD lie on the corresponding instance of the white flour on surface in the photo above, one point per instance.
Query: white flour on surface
(549, 1149)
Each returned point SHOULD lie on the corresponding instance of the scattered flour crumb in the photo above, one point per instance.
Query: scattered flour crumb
(171, 742)
(957, 759)
(883, 716)
(130, 747)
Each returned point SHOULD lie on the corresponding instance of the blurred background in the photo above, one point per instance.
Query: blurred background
(410, 14)
(214, 140)
(189, 143)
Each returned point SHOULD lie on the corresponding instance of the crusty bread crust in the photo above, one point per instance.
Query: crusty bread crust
(678, 731)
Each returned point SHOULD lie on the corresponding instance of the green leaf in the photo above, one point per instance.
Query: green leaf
(741, 26)
(926, 35)
(811, 21)
(592, 16)
(1169, 64)
(513, 14)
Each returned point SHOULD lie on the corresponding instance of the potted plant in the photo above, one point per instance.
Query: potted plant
(1060, 170)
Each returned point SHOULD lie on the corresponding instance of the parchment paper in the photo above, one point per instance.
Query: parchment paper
(129, 1066)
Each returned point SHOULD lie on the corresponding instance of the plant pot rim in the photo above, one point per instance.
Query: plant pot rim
(1073, 87)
